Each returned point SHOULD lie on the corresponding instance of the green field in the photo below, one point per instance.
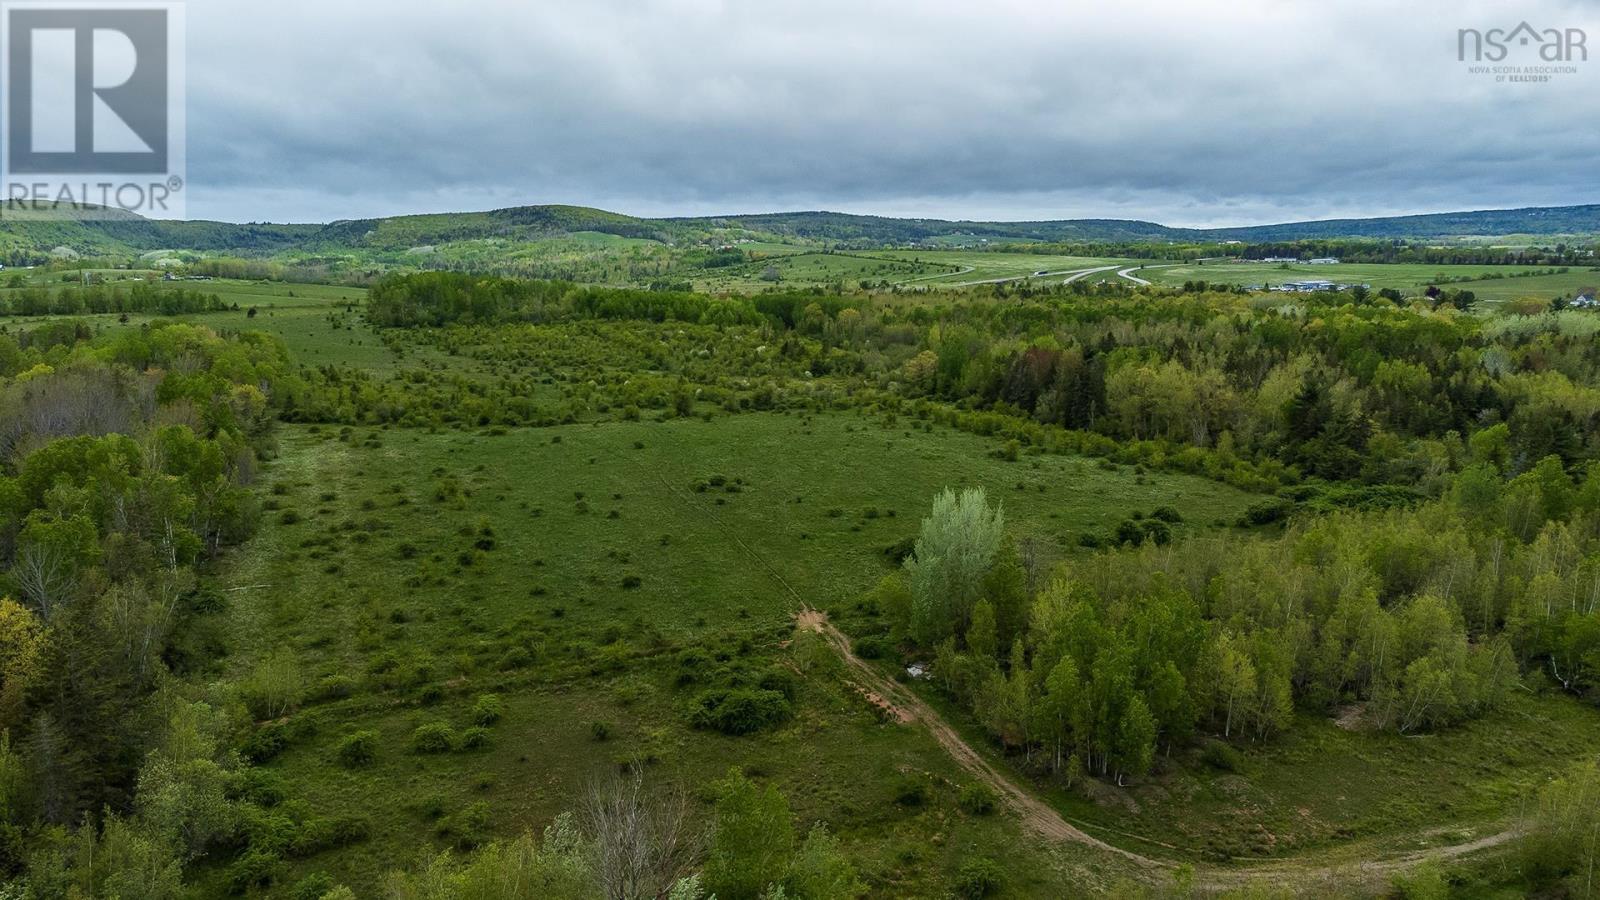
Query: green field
(973, 267)
(361, 569)
(1407, 278)
(801, 267)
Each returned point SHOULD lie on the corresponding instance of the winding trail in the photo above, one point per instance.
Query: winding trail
(907, 707)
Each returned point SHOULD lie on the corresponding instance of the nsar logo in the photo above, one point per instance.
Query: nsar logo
(1553, 45)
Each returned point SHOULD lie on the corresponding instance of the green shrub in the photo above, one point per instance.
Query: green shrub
(978, 799)
(737, 711)
(474, 738)
(333, 687)
(515, 658)
(1222, 757)
(253, 868)
(468, 828)
(272, 689)
(1129, 532)
(911, 790)
(265, 742)
(312, 887)
(979, 877)
(693, 665)
(1157, 532)
(1266, 512)
(433, 737)
(488, 709)
(1426, 882)
(872, 648)
(358, 749)
(263, 787)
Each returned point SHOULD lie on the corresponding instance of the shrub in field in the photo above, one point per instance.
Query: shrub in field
(333, 687)
(911, 790)
(272, 689)
(738, 711)
(469, 827)
(1222, 757)
(872, 648)
(433, 737)
(265, 742)
(978, 878)
(358, 749)
(255, 867)
(1167, 514)
(488, 709)
(474, 738)
(978, 799)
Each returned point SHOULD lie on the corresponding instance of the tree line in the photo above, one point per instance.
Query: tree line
(125, 464)
(1422, 617)
(139, 298)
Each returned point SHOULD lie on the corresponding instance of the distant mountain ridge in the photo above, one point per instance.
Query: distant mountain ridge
(126, 235)
(844, 226)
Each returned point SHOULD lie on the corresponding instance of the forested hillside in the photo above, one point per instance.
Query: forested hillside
(25, 239)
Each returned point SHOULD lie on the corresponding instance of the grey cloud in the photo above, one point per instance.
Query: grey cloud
(1189, 113)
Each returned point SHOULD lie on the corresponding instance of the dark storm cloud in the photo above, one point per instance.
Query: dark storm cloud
(1191, 113)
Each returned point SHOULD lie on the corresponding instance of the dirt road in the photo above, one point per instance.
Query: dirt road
(906, 707)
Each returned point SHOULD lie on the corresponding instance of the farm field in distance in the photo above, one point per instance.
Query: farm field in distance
(1489, 282)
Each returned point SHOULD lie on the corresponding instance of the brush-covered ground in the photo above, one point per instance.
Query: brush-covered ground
(570, 570)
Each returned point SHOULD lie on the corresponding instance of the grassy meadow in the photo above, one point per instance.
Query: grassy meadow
(1488, 282)
(454, 564)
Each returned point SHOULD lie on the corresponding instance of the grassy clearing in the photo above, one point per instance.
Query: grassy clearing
(1407, 278)
(579, 509)
(429, 568)
(975, 266)
(1320, 785)
(812, 268)
(1567, 284)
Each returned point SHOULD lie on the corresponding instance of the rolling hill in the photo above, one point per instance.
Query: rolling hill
(129, 235)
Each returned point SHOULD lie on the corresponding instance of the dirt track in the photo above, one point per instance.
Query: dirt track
(906, 707)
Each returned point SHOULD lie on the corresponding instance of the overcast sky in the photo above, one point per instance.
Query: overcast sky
(1183, 112)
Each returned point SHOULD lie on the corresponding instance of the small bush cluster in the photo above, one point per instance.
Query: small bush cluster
(433, 737)
(357, 749)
